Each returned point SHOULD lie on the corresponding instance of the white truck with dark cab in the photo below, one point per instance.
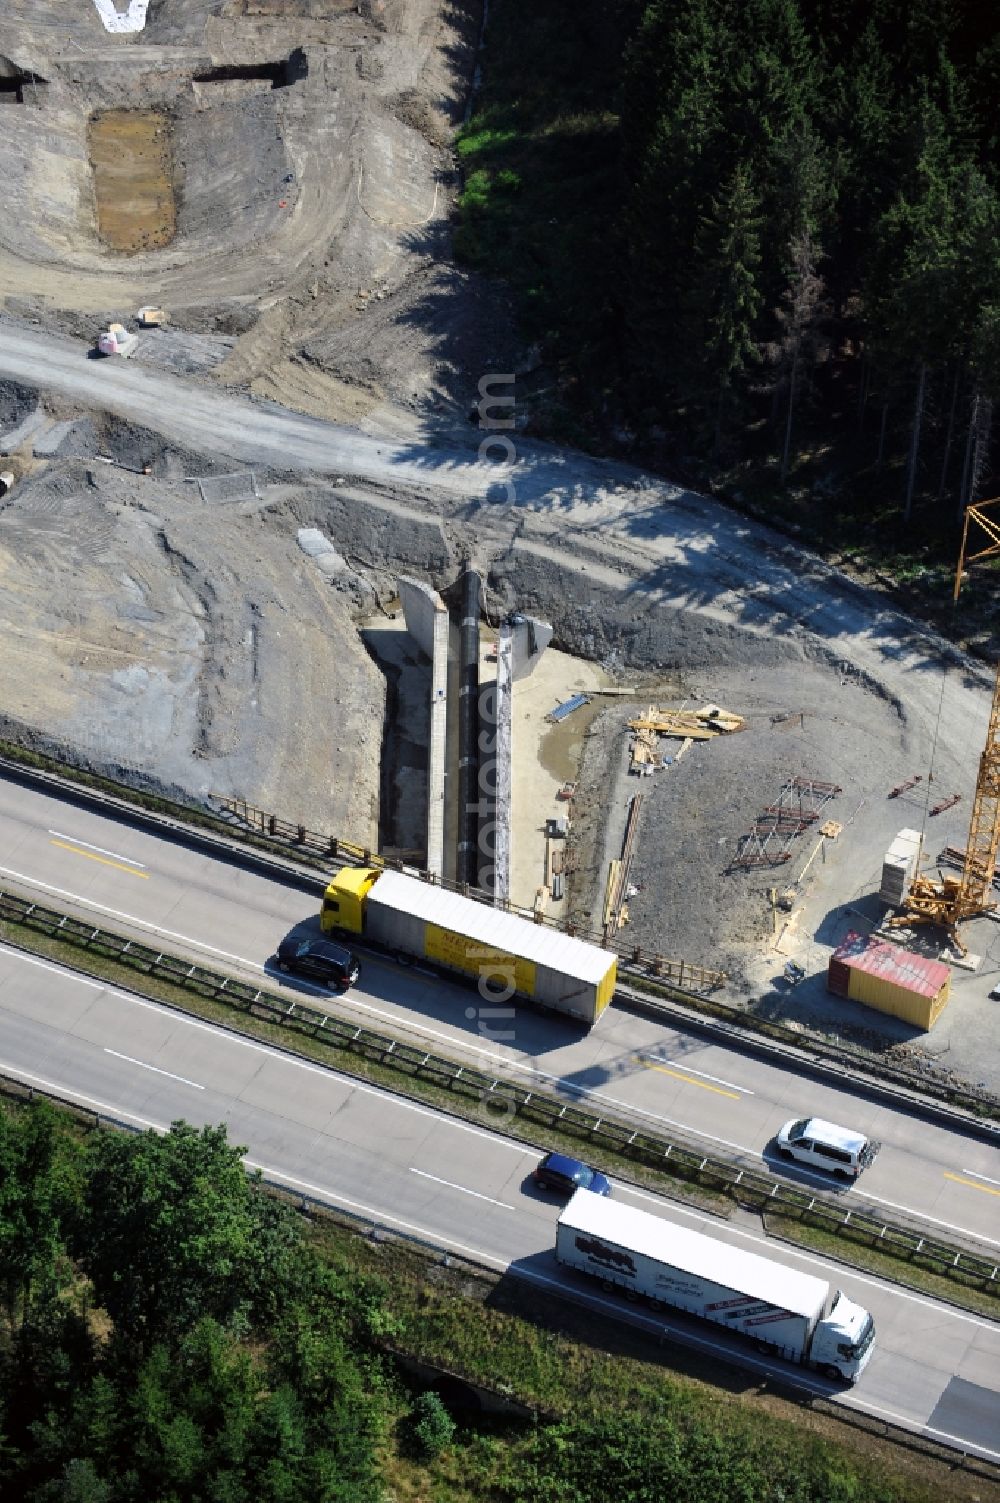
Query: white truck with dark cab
(788, 1313)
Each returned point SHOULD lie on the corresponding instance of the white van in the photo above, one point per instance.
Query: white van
(824, 1145)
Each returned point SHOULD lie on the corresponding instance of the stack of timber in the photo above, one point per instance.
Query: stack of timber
(688, 725)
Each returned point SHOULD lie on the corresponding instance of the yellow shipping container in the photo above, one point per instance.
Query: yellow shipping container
(891, 980)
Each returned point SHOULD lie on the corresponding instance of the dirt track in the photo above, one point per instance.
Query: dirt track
(312, 176)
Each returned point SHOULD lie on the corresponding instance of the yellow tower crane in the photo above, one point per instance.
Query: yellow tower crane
(952, 899)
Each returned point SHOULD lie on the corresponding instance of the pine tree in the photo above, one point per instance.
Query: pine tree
(726, 297)
(798, 317)
(914, 295)
(671, 130)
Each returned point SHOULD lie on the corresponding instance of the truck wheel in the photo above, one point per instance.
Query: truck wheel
(632, 1295)
(607, 1286)
(656, 1304)
(829, 1371)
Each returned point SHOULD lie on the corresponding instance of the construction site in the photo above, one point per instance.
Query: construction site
(587, 693)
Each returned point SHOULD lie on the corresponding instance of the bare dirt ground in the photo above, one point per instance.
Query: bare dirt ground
(133, 179)
(184, 626)
(313, 181)
(307, 146)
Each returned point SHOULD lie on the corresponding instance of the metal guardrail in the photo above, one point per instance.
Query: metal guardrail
(655, 976)
(745, 1187)
(191, 822)
(362, 1225)
(950, 1102)
(652, 994)
(282, 855)
(680, 973)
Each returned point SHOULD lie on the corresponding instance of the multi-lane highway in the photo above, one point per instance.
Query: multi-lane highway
(196, 905)
(935, 1368)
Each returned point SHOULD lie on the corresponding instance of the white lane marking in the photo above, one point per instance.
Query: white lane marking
(851, 1401)
(642, 1195)
(328, 1197)
(534, 1073)
(949, 1226)
(962, 1441)
(973, 1175)
(48, 965)
(613, 1307)
(71, 1093)
(590, 1095)
(515, 1065)
(833, 1270)
(382, 1012)
(452, 1186)
(75, 840)
(280, 1055)
(675, 1064)
(129, 918)
(143, 1066)
(489, 1054)
(480, 1256)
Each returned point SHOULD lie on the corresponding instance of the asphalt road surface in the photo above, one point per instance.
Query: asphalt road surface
(935, 1369)
(646, 1071)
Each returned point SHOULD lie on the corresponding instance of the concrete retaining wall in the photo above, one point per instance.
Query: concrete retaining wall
(427, 622)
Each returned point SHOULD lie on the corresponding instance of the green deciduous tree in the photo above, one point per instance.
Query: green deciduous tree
(174, 1230)
(30, 1237)
(429, 1427)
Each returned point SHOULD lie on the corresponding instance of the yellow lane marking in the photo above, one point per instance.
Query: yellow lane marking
(690, 1080)
(971, 1183)
(119, 865)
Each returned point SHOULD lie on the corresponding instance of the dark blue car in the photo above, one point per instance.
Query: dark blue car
(559, 1172)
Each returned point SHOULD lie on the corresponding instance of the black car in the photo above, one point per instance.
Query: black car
(320, 960)
(558, 1171)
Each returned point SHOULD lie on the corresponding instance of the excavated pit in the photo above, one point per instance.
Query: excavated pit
(130, 153)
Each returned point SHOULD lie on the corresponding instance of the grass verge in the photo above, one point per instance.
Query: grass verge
(104, 967)
(691, 1188)
(566, 1360)
(708, 1006)
(856, 1250)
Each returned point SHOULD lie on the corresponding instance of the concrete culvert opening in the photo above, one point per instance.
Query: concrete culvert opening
(16, 86)
(131, 157)
(278, 75)
(460, 1399)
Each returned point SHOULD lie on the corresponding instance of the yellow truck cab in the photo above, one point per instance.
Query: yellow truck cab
(344, 900)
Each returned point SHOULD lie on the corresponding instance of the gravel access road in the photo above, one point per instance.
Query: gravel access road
(623, 527)
(607, 543)
(618, 526)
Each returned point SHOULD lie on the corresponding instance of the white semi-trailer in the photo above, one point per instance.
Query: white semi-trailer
(787, 1312)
